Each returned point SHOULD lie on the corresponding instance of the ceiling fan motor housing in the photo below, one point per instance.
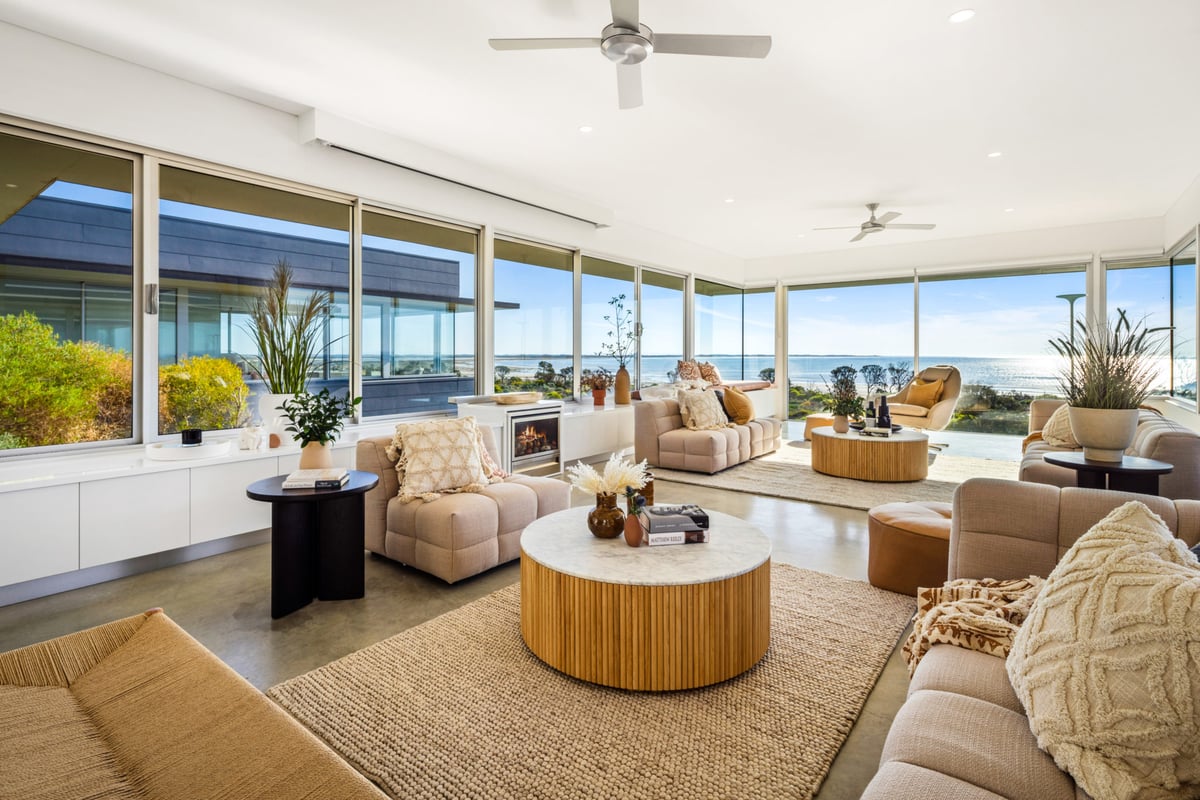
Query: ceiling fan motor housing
(626, 46)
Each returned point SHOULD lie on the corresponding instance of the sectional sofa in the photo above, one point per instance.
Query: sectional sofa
(661, 438)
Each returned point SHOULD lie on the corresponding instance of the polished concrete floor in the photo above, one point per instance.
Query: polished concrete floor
(224, 601)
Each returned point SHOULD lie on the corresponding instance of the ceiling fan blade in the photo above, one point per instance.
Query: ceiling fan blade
(888, 217)
(860, 235)
(629, 85)
(696, 44)
(914, 226)
(542, 44)
(625, 13)
(839, 228)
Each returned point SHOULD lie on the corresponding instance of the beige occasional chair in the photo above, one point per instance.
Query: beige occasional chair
(939, 415)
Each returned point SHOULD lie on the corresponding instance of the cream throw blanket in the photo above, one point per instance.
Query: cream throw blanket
(981, 615)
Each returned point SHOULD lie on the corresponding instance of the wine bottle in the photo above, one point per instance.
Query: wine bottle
(870, 420)
(884, 419)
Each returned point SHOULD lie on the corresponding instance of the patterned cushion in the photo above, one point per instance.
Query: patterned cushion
(1108, 663)
(738, 405)
(1057, 430)
(437, 456)
(490, 467)
(924, 393)
(688, 371)
(709, 372)
(704, 411)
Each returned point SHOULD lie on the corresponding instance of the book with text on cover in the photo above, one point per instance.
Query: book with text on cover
(671, 518)
(674, 537)
(330, 478)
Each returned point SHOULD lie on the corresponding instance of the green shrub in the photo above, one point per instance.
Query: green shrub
(201, 392)
(56, 392)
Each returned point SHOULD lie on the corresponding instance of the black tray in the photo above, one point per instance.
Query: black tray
(858, 426)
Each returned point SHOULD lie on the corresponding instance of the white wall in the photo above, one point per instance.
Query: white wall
(53, 82)
(1183, 216)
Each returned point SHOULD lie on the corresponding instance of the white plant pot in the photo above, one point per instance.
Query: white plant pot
(274, 421)
(1104, 433)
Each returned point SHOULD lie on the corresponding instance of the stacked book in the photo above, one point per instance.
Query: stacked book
(331, 478)
(673, 524)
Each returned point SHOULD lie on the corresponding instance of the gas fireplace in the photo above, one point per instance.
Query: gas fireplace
(526, 434)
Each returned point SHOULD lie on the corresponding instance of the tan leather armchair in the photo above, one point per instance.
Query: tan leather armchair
(937, 417)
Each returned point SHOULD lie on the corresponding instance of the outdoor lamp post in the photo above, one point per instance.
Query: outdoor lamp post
(1071, 298)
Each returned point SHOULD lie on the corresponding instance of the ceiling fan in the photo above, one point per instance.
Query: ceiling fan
(627, 43)
(874, 225)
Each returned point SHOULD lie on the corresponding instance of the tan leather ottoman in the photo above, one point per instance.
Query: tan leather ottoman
(818, 420)
(910, 545)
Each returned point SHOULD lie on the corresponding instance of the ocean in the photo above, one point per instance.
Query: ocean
(1029, 375)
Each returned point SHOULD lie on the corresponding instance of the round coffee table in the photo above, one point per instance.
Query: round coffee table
(646, 618)
(903, 456)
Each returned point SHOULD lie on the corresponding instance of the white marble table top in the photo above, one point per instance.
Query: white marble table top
(562, 542)
(902, 435)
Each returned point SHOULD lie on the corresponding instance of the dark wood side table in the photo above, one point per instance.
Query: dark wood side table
(1130, 474)
(316, 541)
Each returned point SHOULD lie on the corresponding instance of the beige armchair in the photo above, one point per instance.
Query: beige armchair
(939, 415)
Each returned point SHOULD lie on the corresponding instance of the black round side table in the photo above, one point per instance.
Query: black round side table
(316, 541)
(1130, 474)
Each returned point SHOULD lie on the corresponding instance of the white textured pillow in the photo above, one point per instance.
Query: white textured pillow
(1107, 665)
(703, 411)
(1057, 430)
(438, 456)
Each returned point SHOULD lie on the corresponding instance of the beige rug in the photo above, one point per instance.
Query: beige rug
(788, 473)
(459, 708)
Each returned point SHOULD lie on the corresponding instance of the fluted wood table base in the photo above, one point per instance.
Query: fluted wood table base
(903, 456)
(646, 637)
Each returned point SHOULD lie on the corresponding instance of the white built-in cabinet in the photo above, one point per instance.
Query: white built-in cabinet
(39, 533)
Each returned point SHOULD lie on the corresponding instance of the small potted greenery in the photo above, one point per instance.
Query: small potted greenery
(843, 401)
(1107, 374)
(316, 420)
(599, 380)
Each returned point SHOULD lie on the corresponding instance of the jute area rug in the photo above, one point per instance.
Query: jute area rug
(788, 473)
(459, 708)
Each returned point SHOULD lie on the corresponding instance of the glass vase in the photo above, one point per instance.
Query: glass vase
(606, 521)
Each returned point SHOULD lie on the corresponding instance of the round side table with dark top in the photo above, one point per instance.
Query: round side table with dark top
(1130, 474)
(316, 541)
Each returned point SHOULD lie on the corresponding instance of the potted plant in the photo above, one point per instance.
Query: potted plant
(288, 336)
(619, 344)
(1108, 373)
(599, 381)
(843, 401)
(316, 420)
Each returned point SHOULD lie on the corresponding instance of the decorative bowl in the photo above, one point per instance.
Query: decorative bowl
(514, 398)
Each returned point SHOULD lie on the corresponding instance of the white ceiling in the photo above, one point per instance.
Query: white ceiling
(1091, 102)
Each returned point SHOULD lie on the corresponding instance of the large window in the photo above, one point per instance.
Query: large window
(717, 312)
(533, 322)
(996, 329)
(1143, 290)
(1183, 323)
(865, 326)
(758, 337)
(219, 242)
(418, 314)
(66, 295)
(661, 342)
(607, 294)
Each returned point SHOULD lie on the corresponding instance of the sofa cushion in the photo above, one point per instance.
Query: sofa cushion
(897, 780)
(924, 393)
(946, 668)
(976, 742)
(908, 410)
(687, 371)
(709, 372)
(738, 406)
(437, 456)
(1108, 664)
(1057, 430)
(702, 411)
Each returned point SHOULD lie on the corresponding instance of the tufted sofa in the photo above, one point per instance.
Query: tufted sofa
(457, 535)
(138, 708)
(660, 437)
(1157, 437)
(962, 733)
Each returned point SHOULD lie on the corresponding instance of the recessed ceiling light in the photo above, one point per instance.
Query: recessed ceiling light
(799, 235)
(996, 154)
(963, 15)
(585, 128)
(728, 199)
(1010, 209)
